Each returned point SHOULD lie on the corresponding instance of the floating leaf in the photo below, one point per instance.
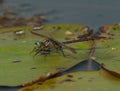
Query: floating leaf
(18, 66)
(107, 78)
(94, 81)
(108, 52)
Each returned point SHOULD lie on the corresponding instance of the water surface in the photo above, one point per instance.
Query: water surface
(93, 13)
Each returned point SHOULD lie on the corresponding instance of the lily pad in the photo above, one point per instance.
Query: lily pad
(106, 54)
(19, 66)
(94, 81)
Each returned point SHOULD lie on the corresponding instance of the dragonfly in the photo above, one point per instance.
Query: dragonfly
(49, 45)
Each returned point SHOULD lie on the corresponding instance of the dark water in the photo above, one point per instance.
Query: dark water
(84, 65)
(8, 89)
(93, 13)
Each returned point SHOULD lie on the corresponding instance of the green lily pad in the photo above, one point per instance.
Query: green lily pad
(107, 53)
(77, 81)
(19, 66)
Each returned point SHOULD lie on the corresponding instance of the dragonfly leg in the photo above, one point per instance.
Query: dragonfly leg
(61, 50)
(37, 52)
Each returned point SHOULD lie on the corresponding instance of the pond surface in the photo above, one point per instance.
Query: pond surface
(93, 13)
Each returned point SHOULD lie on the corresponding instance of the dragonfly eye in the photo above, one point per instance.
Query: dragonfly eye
(38, 44)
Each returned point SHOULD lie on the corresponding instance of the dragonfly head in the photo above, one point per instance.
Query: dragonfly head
(38, 43)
